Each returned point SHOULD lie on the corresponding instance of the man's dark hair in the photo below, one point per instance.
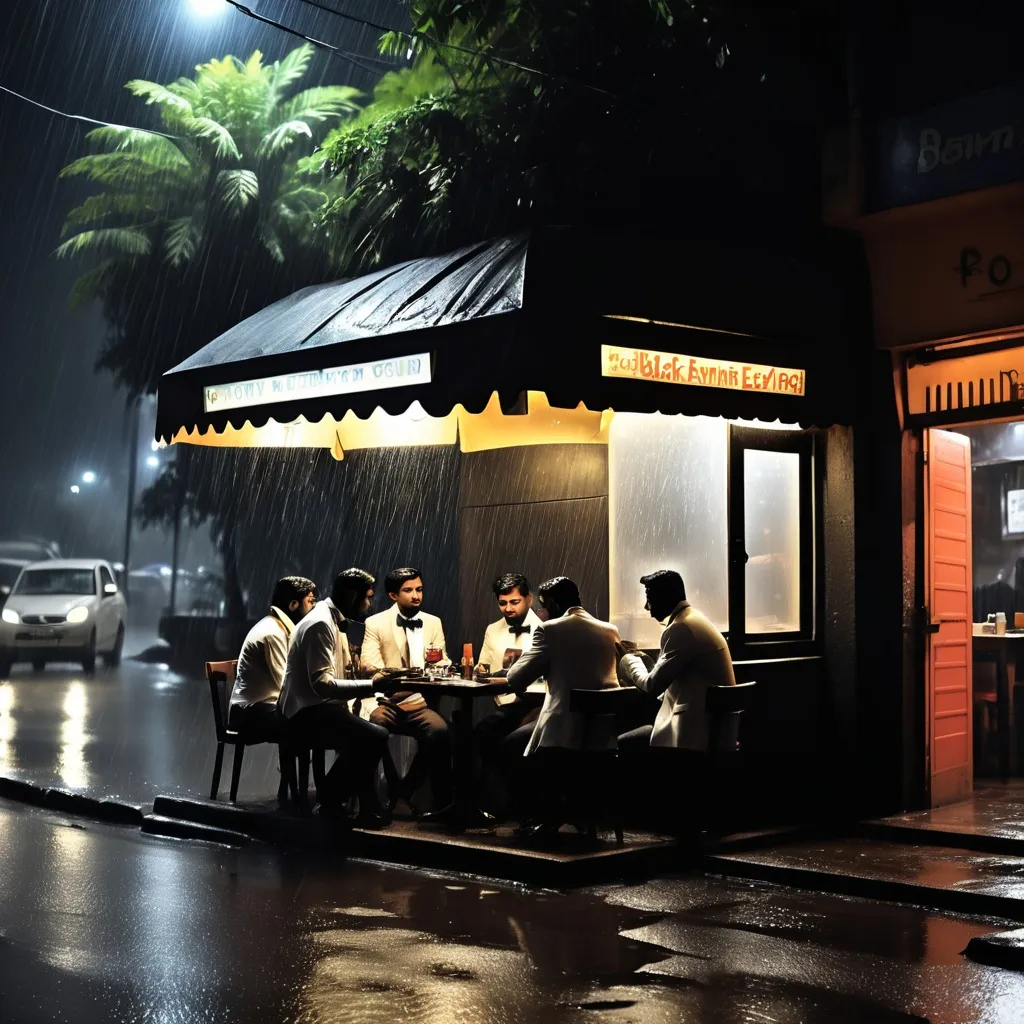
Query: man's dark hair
(349, 587)
(561, 590)
(665, 583)
(394, 579)
(509, 582)
(292, 588)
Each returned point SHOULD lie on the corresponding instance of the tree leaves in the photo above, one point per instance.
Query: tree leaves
(207, 128)
(124, 241)
(238, 188)
(278, 140)
(181, 240)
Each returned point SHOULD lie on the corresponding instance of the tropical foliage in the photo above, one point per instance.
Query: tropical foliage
(195, 228)
(515, 112)
(220, 183)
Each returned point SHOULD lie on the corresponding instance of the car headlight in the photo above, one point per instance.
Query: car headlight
(79, 614)
(10, 615)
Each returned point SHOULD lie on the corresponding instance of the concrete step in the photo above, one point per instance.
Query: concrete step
(175, 828)
(564, 861)
(926, 874)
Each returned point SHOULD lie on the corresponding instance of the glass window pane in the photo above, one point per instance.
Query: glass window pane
(771, 513)
(667, 505)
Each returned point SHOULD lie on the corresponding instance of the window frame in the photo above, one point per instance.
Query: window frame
(752, 646)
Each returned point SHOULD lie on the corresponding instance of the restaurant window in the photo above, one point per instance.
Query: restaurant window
(728, 505)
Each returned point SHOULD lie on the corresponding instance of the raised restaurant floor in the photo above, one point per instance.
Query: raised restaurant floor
(941, 877)
(990, 821)
(561, 861)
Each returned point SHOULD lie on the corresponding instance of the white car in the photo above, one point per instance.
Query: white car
(63, 610)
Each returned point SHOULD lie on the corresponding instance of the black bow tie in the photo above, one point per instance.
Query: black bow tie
(409, 623)
(516, 630)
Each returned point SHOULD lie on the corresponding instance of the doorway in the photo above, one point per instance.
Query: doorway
(974, 573)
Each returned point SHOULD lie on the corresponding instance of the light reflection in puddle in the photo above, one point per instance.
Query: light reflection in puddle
(71, 764)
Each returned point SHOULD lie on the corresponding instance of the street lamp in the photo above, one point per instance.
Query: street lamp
(88, 477)
(75, 488)
(207, 8)
(152, 462)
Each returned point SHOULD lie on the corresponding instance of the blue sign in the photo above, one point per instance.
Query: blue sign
(969, 143)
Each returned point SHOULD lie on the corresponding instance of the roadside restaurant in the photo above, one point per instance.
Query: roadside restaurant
(612, 406)
(940, 211)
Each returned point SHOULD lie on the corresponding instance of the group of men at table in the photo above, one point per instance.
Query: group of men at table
(346, 679)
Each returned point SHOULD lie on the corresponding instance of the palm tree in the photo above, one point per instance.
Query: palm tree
(198, 226)
(226, 161)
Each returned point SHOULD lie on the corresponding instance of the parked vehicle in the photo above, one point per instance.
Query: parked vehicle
(147, 594)
(29, 549)
(63, 610)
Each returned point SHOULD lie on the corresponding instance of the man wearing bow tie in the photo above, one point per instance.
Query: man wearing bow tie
(399, 639)
(502, 736)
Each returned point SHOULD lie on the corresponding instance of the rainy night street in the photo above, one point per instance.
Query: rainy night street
(101, 924)
(129, 734)
(511, 511)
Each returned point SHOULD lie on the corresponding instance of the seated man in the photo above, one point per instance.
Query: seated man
(399, 639)
(503, 641)
(694, 655)
(318, 683)
(261, 662)
(572, 650)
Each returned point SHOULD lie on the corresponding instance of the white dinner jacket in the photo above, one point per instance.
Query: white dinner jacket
(574, 652)
(498, 639)
(380, 644)
(694, 656)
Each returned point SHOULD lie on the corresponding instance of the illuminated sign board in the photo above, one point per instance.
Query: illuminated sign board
(401, 371)
(673, 368)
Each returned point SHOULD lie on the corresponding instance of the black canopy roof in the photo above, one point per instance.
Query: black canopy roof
(531, 312)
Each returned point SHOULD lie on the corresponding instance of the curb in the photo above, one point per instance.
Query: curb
(955, 901)
(112, 812)
(979, 843)
(175, 828)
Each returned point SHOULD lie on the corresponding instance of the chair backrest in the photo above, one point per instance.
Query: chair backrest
(221, 675)
(725, 703)
(727, 700)
(607, 701)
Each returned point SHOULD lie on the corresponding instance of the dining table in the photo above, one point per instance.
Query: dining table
(466, 692)
(1003, 649)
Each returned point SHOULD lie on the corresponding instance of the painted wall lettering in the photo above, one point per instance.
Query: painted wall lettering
(673, 368)
(998, 268)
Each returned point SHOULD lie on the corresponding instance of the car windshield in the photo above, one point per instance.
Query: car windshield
(35, 582)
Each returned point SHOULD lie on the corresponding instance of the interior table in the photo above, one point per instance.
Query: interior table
(1003, 649)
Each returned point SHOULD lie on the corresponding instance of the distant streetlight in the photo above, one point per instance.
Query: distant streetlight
(88, 477)
(75, 488)
(152, 462)
(207, 8)
(154, 446)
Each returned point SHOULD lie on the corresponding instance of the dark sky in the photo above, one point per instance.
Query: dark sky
(57, 416)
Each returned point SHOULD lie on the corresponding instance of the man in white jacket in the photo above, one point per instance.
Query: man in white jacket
(694, 656)
(261, 662)
(319, 680)
(398, 639)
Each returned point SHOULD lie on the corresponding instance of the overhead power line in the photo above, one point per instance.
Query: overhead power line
(412, 37)
(82, 118)
(334, 51)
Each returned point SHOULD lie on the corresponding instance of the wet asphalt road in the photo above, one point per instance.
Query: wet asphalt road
(104, 924)
(130, 733)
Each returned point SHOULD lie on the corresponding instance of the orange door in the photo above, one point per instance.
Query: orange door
(948, 584)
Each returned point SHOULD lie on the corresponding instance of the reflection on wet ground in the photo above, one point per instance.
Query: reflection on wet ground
(103, 924)
(129, 734)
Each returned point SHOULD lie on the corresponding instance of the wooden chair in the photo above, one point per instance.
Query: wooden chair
(590, 782)
(221, 676)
